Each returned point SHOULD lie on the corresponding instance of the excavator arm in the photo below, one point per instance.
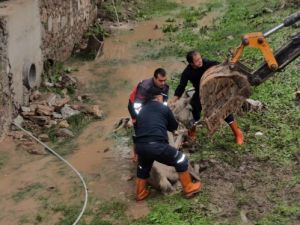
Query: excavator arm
(225, 87)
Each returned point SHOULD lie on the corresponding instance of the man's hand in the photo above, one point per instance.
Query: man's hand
(173, 100)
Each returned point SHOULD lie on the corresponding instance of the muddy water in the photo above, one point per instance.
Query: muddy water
(98, 155)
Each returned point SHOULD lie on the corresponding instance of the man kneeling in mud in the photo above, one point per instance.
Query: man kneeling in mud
(153, 122)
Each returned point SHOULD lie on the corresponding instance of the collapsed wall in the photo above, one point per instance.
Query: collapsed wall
(63, 25)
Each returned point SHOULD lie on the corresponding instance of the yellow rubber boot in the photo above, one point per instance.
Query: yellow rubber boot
(189, 188)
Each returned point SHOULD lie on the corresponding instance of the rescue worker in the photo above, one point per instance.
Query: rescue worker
(139, 93)
(153, 122)
(193, 73)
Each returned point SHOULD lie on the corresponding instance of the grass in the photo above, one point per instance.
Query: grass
(67, 145)
(3, 159)
(279, 123)
(27, 192)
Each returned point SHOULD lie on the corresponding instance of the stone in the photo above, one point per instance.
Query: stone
(25, 109)
(63, 124)
(64, 132)
(57, 115)
(19, 120)
(44, 137)
(95, 111)
(44, 110)
(258, 134)
(251, 105)
(35, 96)
(51, 99)
(40, 120)
(67, 112)
(60, 102)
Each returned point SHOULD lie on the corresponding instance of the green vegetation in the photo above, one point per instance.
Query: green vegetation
(77, 124)
(3, 159)
(27, 192)
(279, 122)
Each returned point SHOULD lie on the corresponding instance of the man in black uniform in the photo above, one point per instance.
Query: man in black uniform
(193, 73)
(139, 93)
(153, 122)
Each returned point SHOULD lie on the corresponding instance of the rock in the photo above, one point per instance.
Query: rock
(28, 114)
(20, 135)
(51, 99)
(258, 134)
(35, 96)
(48, 84)
(44, 137)
(68, 81)
(67, 112)
(36, 151)
(94, 110)
(63, 124)
(64, 132)
(40, 120)
(51, 123)
(19, 120)
(33, 107)
(44, 110)
(59, 103)
(76, 107)
(32, 148)
(267, 10)
(251, 105)
(57, 115)
(25, 109)
(230, 37)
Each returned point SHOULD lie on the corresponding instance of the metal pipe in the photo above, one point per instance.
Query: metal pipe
(266, 34)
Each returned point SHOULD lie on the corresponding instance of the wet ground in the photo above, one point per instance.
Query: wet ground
(106, 164)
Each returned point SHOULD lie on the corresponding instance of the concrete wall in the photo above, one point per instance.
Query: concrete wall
(24, 45)
(63, 25)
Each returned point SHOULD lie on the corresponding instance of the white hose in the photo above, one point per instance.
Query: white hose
(65, 161)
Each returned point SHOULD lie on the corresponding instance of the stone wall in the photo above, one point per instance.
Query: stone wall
(5, 103)
(63, 25)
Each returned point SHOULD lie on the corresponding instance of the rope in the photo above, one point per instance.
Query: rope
(70, 165)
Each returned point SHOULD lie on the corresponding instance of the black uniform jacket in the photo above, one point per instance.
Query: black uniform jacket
(193, 75)
(153, 122)
(140, 92)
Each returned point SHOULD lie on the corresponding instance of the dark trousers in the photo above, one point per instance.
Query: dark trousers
(195, 103)
(160, 152)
